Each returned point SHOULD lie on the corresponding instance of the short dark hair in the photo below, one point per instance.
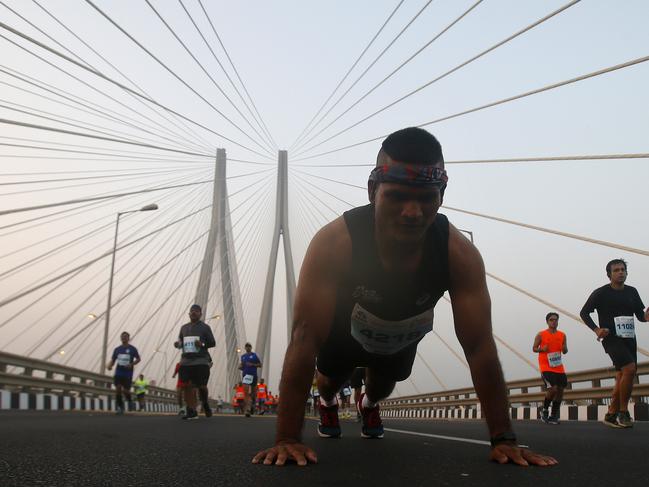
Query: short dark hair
(551, 313)
(414, 146)
(248, 345)
(612, 263)
(125, 333)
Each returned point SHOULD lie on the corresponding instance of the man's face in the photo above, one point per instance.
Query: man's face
(553, 322)
(618, 274)
(403, 213)
(125, 338)
(195, 314)
(248, 348)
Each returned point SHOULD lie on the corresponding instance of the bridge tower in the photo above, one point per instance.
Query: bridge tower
(262, 344)
(220, 236)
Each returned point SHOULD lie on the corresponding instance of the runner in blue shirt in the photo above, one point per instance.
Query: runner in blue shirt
(249, 364)
(126, 357)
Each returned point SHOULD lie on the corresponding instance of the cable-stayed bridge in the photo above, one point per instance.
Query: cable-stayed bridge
(252, 127)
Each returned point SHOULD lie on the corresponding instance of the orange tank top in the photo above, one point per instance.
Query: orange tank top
(551, 361)
(261, 391)
(239, 393)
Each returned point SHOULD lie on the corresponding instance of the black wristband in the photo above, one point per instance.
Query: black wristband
(503, 438)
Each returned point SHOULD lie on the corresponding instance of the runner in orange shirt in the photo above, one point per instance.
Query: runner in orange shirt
(262, 396)
(239, 397)
(550, 344)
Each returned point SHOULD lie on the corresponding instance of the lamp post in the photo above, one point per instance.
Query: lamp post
(102, 367)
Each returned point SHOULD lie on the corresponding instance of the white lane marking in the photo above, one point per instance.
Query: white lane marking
(440, 437)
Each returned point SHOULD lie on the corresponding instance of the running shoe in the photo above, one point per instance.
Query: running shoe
(372, 425)
(119, 411)
(552, 419)
(329, 426)
(182, 412)
(207, 410)
(610, 419)
(624, 419)
(191, 414)
(544, 415)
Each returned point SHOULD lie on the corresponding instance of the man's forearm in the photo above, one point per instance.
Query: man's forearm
(297, 374)
(490, 386)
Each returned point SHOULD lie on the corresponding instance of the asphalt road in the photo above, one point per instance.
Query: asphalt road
(98, 449)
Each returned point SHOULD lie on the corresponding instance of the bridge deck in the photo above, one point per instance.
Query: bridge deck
(58, 448)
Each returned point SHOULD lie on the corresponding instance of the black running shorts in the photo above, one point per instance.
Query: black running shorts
(198, 375)
(338, 363)
(124, 381)
(555, 379)
(622, 351)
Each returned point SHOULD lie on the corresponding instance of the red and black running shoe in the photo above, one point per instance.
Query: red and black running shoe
(329, 426)
(371, 418)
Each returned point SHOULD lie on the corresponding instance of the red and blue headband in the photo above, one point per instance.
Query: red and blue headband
(412, 175)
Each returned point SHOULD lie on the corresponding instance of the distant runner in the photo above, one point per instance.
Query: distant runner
(616, 305)
(194, 339)
(551, 344)
(140, 385)
(249, 364)
(126, 357)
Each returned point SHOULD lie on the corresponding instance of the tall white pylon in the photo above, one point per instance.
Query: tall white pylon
(281, 229)
(220, 236)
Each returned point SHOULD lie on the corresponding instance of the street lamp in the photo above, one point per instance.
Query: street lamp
(102, 367)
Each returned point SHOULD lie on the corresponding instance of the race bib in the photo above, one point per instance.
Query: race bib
(123, 359)
(347, 391)
(554, 359)
(316, 393)
(624, 326)
(388, 337)
(189, 344)
(247, 379)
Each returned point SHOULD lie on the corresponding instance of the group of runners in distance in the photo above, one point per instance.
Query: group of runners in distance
(367, 289)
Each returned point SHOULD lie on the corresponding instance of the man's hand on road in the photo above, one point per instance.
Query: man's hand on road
(284, 451)
(505, 453)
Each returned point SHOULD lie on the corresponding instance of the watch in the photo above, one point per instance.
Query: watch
(503, 438)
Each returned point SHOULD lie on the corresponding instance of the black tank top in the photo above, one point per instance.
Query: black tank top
(371, 291)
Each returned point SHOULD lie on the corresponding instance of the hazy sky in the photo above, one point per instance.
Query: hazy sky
(291, 55)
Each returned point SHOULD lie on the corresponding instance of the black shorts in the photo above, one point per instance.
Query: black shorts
(197, 375)
(253, 384)
(357, 379)
(124, 381)
(622, 351)
(340, 362)
(555, 379)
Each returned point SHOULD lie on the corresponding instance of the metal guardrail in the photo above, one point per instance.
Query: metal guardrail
(519, 392)
(35, 375)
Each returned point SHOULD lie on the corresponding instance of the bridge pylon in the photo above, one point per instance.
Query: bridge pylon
(264, 331)
(220, 237)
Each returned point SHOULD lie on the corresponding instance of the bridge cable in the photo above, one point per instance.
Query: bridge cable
(170, 71)
(171, 119)
(101, 111)
(502, 101)
(236, 72)
(209, 47)
(354, 65)
(397, 69)
(120, 85)
(269, 147)
(465, 63)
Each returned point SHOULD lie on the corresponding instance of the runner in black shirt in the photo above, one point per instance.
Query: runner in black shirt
(616, 306)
